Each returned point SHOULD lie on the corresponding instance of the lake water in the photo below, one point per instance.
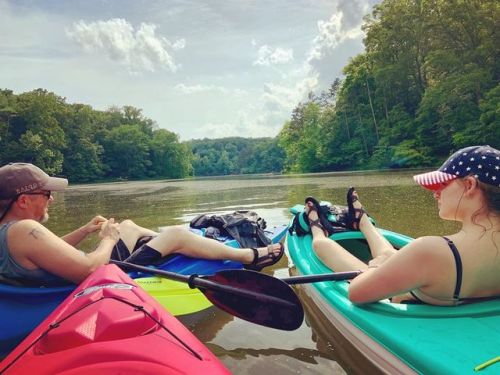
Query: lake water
(390, 197)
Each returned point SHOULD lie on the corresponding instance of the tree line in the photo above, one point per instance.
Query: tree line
(85, 144)
(236, 155)
(88, 145)
(427, 84)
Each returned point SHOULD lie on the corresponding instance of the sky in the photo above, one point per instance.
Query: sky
(199, 68)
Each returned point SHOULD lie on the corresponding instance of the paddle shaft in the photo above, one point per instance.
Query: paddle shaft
(321, 277)
(195, 281)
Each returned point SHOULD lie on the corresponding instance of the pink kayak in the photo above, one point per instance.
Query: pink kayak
(109, 325)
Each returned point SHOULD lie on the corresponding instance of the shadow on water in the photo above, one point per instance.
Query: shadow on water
(391, 198)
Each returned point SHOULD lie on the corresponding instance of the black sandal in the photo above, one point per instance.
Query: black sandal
(354, 215)
(268, 259)
(322, 221)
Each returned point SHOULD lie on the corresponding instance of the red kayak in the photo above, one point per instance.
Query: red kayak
(109, 325)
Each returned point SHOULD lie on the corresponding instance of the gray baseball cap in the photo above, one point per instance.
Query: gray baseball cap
(18, 178)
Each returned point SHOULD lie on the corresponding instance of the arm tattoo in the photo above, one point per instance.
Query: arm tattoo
(35, 232)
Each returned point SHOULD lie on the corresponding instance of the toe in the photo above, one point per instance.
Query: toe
(277, 249)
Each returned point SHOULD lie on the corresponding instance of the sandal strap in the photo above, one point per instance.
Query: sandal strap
(268, 259)
(316, 223)
(255, 256)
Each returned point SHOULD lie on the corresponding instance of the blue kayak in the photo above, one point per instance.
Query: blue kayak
(23, 308)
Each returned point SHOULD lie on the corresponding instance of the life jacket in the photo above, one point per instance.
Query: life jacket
(246, 227)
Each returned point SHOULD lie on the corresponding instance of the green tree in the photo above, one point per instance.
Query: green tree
(126, 151)
(169, 157)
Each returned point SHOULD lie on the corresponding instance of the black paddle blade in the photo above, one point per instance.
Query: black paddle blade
(269, 302)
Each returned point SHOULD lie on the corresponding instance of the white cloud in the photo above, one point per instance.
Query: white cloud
(330, 34)
(266, 56)
(179, 44)
(338, 38)
(353, 10)
(264, 118)
(194, 89)
(139, 50)
(278, 100)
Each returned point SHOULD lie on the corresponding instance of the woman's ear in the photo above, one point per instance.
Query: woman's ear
(470, 183)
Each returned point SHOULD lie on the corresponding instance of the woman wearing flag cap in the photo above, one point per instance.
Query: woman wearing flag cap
(31, 252)
(450, 270)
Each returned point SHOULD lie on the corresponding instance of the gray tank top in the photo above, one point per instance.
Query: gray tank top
(10, 270)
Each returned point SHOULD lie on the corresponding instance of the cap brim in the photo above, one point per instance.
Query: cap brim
(56, 184)
(433, 180)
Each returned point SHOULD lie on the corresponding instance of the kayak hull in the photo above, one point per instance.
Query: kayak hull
(398, 338)
(356, 351)
(110, 324)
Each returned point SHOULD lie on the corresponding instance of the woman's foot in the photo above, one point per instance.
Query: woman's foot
(266, 256)
(313, 215)
(355, 209)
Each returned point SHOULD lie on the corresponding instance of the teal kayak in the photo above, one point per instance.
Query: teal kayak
(397, 338)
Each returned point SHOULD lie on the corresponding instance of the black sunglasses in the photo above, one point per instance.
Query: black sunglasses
(46, 193)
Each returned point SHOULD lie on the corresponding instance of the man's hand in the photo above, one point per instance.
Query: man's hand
(95, 224)
(110, 229)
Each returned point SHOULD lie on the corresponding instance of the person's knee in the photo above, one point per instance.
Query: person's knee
(170, 239)
(174, 233)
(127, 224)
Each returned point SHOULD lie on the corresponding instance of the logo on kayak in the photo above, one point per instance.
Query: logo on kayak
(95, 288)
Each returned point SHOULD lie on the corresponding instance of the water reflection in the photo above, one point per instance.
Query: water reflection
(389, 197)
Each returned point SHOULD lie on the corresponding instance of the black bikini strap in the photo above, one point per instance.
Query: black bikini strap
(458, 264)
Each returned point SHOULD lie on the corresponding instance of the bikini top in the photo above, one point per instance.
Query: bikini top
(456, 300)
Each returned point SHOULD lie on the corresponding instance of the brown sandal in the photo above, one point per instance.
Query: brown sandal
(268, 259)
(318, 222)
(354, 214)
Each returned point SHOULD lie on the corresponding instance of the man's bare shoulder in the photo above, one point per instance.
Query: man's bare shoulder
(21, 227)
(25, 232)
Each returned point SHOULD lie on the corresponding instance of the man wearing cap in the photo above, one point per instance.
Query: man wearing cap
(450, 270)
(31, 252)
(28, 250)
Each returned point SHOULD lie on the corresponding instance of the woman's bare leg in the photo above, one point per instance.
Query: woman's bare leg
(330, 252)
(378, 244)
(178, 239)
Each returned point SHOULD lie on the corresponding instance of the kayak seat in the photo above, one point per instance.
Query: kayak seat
(95, 323)
(357, 247)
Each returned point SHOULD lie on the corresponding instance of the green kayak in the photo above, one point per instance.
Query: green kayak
(394, 338)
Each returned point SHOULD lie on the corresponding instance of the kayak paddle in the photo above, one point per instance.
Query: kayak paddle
(337, 276)
(249, 295)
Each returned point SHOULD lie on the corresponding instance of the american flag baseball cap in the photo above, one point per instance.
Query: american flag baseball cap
(482, 162)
